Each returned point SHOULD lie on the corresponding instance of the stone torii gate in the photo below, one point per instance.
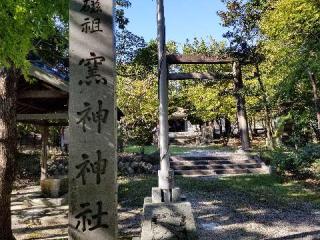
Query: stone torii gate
(166, 200)
(166, 182)
(165, 209)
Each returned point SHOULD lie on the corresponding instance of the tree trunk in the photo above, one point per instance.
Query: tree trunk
(220, 129)
(8, 142)
(267, 110)
(250, 122)
(313, 81)
(241, 107)
(227, 126)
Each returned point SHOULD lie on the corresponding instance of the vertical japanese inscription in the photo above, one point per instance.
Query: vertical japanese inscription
(87, 166)
(91, 25)
(92, 174)
(92, 69)
(87, 218)
(88, 115)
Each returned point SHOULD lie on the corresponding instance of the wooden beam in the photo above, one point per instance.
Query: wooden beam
(49, 78)
(57, 123)
(41, 94)
(43, 116)
(31, 106)
(201, 76)
(198, 59)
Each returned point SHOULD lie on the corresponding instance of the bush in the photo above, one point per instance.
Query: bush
(296, 162)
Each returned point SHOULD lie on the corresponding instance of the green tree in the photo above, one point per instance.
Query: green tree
(292, 48)
(138, 100)
(22, 21)
(205, 100)
(30, 29)
(137, 94)
(242, 20)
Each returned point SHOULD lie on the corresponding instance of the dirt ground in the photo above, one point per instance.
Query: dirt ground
(223, 216)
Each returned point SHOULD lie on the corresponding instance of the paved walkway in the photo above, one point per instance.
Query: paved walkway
(36, 218)
(33, 218)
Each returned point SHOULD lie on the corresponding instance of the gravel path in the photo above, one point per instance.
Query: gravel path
(232, 216)
(226, 215)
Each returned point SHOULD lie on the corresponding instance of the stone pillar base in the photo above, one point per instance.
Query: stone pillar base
(166, 196)
(168, 221)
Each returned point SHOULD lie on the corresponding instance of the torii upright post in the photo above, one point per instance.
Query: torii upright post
(241, 107)
(165, 174)
(165, 216)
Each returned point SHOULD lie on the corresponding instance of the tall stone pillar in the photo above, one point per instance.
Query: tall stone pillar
(165, 173)
(92, 120)
(165, 216)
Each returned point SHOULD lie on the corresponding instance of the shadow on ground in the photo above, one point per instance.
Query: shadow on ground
(222, 211)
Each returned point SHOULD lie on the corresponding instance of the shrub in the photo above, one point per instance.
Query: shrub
(296, 162)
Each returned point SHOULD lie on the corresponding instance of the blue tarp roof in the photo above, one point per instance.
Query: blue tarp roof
(50, 70)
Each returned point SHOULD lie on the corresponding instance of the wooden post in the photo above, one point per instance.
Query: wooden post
(241, 107)
(44, 152)
(165, 174)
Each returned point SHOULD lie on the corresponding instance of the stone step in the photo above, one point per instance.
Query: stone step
(214, 166)
(204, 162)
(233, 157)
(218, 172)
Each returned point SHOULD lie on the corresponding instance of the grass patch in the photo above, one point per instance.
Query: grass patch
(272, 189)
(175, 150)
(265, 189)
(138, 149)
(133, 190)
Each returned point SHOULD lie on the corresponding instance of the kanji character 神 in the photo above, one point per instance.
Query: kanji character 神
(87, 115)
(87, 166)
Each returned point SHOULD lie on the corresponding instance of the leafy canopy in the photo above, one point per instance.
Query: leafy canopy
(25, 20)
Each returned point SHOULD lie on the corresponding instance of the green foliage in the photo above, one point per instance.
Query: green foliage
(282, 38)
(25, 129)
(137, 91)
(22, 21)
(121, 20)
(28, 166)
(292, 48)
(296, 162)
(53, 50)
(242, 18)
(127, 46)
(138, 101)
(204, 100)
